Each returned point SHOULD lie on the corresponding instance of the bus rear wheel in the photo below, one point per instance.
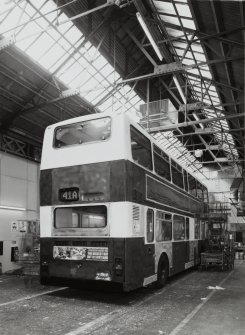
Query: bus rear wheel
(162, 272)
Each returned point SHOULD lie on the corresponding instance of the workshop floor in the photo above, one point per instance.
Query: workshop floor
(195, 302)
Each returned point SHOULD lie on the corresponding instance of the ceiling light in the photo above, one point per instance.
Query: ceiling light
(179, 88)
(149, 35)
(13, 208)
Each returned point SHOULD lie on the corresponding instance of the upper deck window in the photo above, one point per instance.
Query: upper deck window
(192, 185)
(161, 163)
(83, 132)
(177, 174)
(141, 148)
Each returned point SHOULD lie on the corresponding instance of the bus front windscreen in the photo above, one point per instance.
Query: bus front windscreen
(83, 132)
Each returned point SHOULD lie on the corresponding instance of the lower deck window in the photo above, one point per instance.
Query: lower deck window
(163, 226)
(187, 228)
(179, 227)
(202, 230)
(197, 228)
(150, 225)
(80, 217)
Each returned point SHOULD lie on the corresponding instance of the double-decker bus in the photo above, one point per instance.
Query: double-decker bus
(114, 206)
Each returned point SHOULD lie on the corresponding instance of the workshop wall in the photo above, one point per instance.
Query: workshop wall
(19, 187)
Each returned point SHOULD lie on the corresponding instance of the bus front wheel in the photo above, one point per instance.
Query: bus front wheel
(162, 272)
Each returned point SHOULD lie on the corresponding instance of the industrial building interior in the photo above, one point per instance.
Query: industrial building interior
(176, 67)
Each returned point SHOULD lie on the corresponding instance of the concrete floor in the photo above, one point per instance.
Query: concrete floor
(184, 306)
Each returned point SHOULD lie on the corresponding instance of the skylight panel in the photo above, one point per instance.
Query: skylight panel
(174, 32)
(99, 63)
(51, 56)
(56, 36)
(184, 10)
(187, 61)
(97, 75)
(40, 46)
(165, 7)
(68, 64)
(93, 95)
(63, 28)
(10, 20)
(188, 24)
(73, 34)
(29, 29)
(24, 44)
(170, 19)
(196, 47)
(199, 57)
(194, 71)
(90, 83)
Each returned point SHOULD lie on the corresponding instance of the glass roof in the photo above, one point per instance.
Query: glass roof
(177, 19)
(53, 46)
(59, 47)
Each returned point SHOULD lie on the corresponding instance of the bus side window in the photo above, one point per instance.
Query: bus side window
(149, 225)
(192, 185)
(199, 191)
(187, 228)
(206, 229)
(185, 180)
(179, 227)
(161, 163)
(197, 228)
(141, 148)
(163, 226)
(177, 174)
(202, 230)
(205, 194)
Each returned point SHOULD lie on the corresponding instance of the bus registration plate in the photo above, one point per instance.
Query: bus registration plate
(69, 194)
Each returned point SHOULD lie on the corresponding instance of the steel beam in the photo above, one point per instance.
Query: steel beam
(175, 67)
(190, 123)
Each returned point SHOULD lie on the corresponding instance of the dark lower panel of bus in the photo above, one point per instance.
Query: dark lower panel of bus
(186, 254)
(124, 261)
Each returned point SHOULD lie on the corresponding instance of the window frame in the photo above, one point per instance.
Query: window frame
(187, 223)
(196, 231)
(140, 134)
(148, 232)
(163, 156)
(79, 228)
(178, 170)
(174, 225)
(185, 178)
(158, 220)
(79, 123)
(192, 178)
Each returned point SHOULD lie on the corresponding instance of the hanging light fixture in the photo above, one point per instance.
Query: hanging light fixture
(177, 84)
(149, 35)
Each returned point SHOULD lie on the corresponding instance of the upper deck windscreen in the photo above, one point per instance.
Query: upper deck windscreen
(82, 132)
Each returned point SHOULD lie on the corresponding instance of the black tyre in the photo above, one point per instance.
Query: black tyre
(162, 272)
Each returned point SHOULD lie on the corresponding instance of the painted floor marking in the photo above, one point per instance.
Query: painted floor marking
(182, 324)
(32, 296)
(102, 320)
